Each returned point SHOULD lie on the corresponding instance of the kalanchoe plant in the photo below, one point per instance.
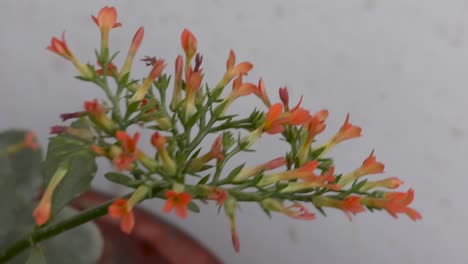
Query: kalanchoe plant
(180, 120)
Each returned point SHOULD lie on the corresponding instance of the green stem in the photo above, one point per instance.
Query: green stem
(50, 231)
(114, 99)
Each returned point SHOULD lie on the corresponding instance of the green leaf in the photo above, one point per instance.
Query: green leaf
(24, 165)
(235, 171)
(19, 181)
(228, 140)
(36, 256)
(124, 79)
(204, 180)
(193, 207)
(191, 122)
(320, 209)
(132, 107)
(123, 179)
(216, 93)
(325, 164)
(195, 154)
(257, 178)
(81, 168)
(316, 153)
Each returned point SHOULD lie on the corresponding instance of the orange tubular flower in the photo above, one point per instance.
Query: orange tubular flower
(128, 143)
(315, 126)
(136, 42)
(232, 71)
(189, 44)
(106, 20)
(369, 166)
(389, 183)
(125, 159)
(303, 172)
(395, 203)
(98, 114)
(121, 210)
(159, 142)
(276, 119)
(260, 91)
(347, 131)
(177, 201)
(193, 81)
(296, 211)
(244, 174)
(216, 152)
(314, 181)
(238, 89)
(218, 194)
(349, 205)
(43, 210)
(60, 47)
(230, 207)
(155, 73)
(176, 96)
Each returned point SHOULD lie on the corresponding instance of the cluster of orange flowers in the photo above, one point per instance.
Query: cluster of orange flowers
(298, 177)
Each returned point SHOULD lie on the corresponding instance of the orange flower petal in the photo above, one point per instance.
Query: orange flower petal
(42, 213)
(181, 211)
(128, 222)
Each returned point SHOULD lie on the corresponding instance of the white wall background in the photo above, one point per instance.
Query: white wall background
(399, 67)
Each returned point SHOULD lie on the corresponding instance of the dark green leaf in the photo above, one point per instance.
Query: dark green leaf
(19, 181)
(123, 179)
(64, 149)
(36, 256)
(320, 209)
(132, 107)
(191, 122)
(204, 180)
(316, 153)
(193, 207)
(235, 171)
(195, 154)
(325, 164)
(124, 79)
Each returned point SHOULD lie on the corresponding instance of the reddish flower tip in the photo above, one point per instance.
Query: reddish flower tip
(218, 194)
(284, 96)
(42, 213)
(30, 141)
(158, 141)
(66, 116)
(58, 129)
(189, 43)
(235, 241)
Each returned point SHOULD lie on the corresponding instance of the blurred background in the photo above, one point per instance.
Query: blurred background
(398, 67)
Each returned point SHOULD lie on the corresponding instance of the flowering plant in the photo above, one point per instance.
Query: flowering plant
(182, 113)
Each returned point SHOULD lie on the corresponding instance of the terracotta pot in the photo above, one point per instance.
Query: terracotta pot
(152, 240)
